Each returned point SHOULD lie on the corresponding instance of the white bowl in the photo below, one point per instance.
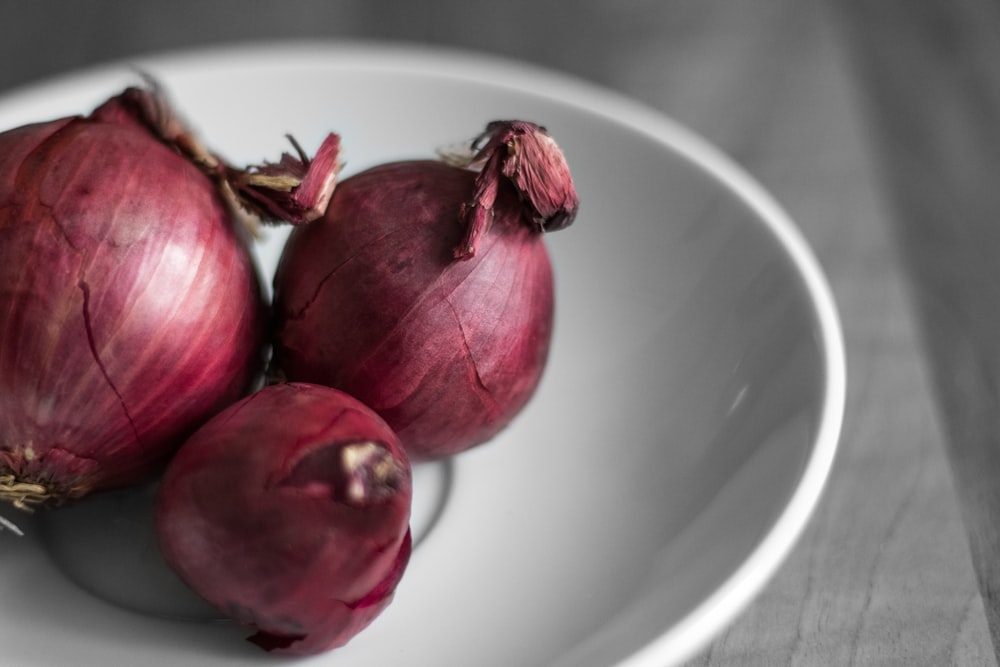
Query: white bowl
(680, 439)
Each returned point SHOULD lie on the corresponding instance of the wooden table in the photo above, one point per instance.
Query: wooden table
(882, 575)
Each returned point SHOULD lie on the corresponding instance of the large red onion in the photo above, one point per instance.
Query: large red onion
(289, 512)
(426, 290)
(130, 308)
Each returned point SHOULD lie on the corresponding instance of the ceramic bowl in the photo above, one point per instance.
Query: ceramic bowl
(680, 439)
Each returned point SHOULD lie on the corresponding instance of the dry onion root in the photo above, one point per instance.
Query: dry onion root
(23, 495)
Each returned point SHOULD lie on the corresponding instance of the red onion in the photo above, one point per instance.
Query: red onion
(374, 298)
(130, 309)
(289, 512)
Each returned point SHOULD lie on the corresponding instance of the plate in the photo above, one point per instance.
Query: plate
(680, 439)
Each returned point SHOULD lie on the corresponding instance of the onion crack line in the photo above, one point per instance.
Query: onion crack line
(473, 367)
(300, 312)
(92, 342)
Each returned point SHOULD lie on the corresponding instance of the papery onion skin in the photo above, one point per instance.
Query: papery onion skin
(370, 299)
(289, 511)
(130, 307)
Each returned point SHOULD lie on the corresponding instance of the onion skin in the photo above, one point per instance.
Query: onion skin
(426, 291)
(372, 302)
(130, 308)
(289, 512)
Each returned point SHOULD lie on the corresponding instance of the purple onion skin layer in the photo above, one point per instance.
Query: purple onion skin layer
(257, 514)
(370, 299)
(130, 308)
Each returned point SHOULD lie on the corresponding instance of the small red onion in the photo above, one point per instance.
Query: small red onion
(289, 511)
(130, 308)
(375, 299)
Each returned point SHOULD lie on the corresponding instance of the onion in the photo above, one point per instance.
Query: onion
(289, 512)
(426, 290)
(130, 308)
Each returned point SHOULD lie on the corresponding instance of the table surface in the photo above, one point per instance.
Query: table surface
(882, 574)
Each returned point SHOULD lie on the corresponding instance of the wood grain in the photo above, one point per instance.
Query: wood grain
(932, 94)
(883, 574)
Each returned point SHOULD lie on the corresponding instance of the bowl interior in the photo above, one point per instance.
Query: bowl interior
(683, 429)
